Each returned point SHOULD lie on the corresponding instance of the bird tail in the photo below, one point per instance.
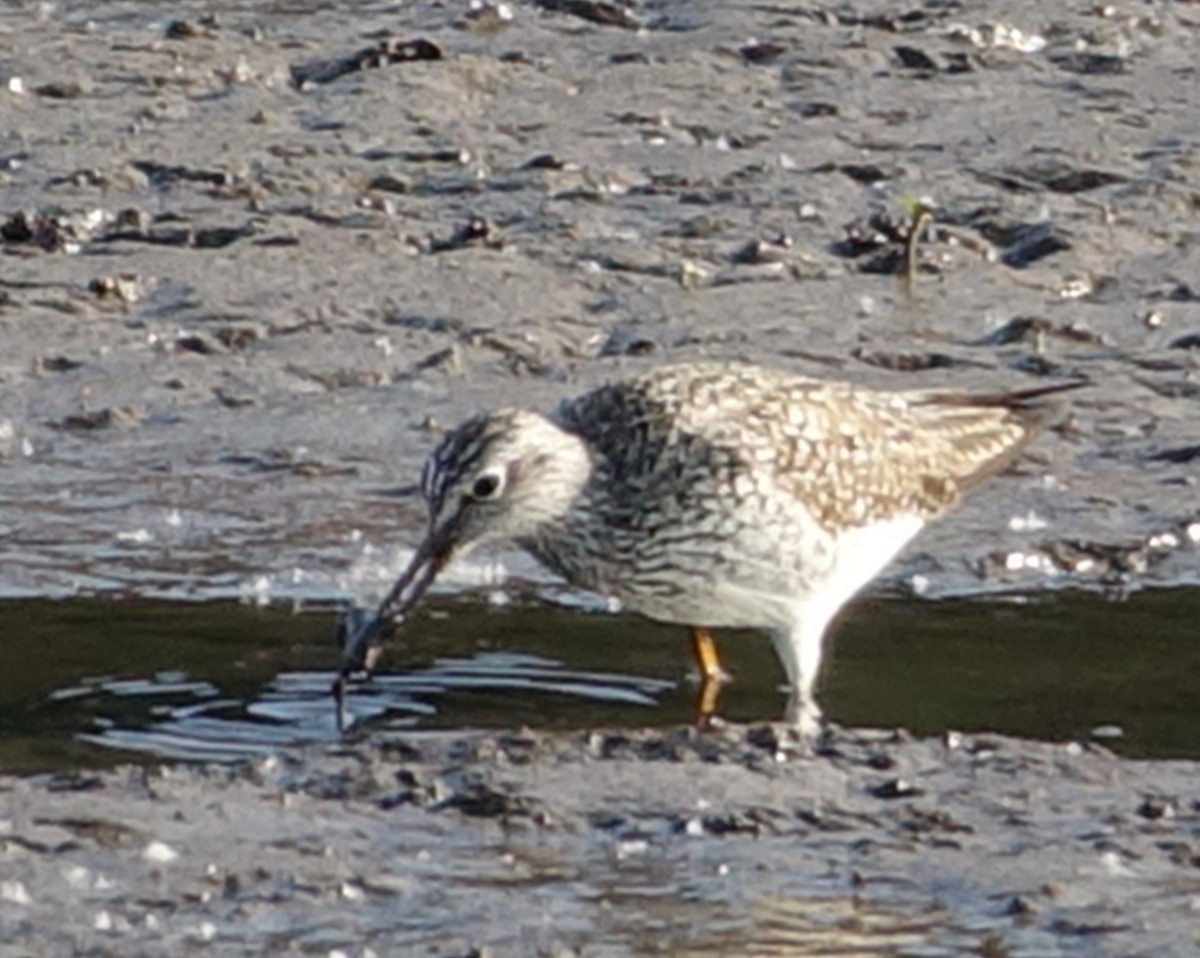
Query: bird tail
(988, 431)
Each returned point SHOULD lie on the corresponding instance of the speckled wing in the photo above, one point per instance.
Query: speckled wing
(850, 455)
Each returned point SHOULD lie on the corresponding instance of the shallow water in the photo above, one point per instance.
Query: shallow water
(92, 682)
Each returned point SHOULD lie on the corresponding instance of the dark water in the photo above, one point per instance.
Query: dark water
(94, 682)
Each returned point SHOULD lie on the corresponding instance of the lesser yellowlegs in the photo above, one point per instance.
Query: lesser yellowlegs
(713, 496)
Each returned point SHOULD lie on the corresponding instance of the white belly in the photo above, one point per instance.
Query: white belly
(768, 582)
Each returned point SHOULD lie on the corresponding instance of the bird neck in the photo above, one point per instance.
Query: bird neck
(565, 511)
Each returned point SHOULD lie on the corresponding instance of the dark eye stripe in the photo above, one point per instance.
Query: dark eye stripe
(458, 453)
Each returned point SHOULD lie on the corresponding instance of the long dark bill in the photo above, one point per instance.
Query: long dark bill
(369, 631)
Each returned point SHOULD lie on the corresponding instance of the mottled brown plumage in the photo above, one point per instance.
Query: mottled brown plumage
(716, 495)
(851, 455)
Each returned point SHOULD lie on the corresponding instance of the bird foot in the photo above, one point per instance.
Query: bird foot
(804, 717)
(706, 702)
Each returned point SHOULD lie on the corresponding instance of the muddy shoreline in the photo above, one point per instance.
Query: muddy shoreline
(614, 843)
(253, 259)
(237, 312)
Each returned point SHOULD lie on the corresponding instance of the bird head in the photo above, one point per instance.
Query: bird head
(499, 476)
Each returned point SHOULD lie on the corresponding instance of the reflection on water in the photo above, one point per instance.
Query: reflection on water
(846, 925)
(84, 679)
(296, 707)
(746, 900)
(825, 925)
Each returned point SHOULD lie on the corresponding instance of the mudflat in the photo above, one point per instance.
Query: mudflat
(254, 258)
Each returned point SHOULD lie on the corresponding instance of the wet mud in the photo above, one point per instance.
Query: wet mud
(614, 843)
(254, 258)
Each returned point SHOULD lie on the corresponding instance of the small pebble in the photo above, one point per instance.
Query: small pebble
(160, 852)
(15, 893)
(631, 848)
(77, 877)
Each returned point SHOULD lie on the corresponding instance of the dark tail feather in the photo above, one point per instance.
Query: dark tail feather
(1012, 399)
(1016, 418)
(1030, 405)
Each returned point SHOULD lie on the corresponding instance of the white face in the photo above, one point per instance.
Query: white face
(501, 477)
(476, 504)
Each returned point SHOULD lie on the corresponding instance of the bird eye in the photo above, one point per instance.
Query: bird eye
(486, 486)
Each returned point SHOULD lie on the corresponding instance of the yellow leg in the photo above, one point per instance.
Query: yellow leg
(705, 650)
(712, 676)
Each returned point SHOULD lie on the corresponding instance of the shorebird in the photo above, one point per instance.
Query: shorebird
(713, 496)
